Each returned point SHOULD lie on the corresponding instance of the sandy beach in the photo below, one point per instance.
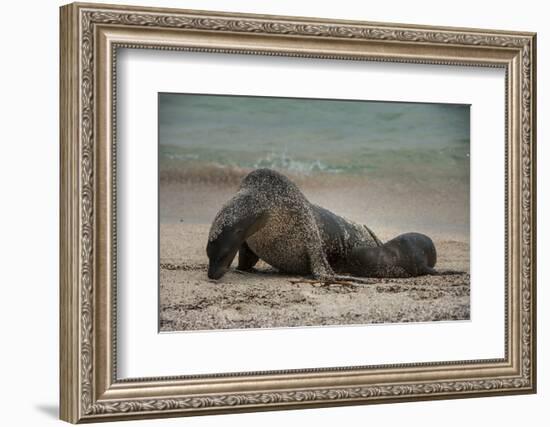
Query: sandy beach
(267, 299)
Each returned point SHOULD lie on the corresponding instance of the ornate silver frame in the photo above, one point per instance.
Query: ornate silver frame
(90, 36)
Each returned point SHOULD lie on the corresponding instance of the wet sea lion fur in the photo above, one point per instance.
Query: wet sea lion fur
(407, 255)
(270, 219)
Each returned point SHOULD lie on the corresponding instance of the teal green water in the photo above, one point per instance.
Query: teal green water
(307, 136)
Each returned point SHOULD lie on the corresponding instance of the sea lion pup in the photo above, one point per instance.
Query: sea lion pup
(407, 255)
(270, 219)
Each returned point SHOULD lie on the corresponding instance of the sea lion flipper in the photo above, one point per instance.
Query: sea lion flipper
(247, 258)
(320, 268)
(318, 263)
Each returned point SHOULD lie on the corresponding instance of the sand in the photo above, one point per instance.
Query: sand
(266, 298)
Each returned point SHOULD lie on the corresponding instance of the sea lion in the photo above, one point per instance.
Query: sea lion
(270, 219)
(407, 255)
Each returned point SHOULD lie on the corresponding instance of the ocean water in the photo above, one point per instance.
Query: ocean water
(381, 140)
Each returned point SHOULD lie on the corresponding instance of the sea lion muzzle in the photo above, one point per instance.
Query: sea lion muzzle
(231, 235)
(217, 267)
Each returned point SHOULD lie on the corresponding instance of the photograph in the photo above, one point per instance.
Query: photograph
(291, 212)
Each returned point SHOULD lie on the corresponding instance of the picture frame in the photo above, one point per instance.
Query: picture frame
(91, 35)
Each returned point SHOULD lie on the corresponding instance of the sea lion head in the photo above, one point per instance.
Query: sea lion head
(235, 222)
